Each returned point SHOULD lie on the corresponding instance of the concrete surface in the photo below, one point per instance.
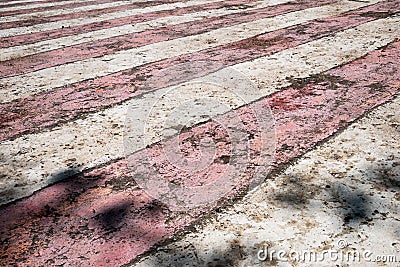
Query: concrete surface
(345, 191)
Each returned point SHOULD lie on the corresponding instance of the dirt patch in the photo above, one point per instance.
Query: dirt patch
(332, 80)
(377, 15)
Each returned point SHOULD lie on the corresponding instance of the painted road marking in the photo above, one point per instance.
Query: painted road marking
(15, 10)
(48, 109)
(67, 11)
(47, 79)
(66, 217)
(96, 36)
(313, 200)
(56, 25)
(98, 138)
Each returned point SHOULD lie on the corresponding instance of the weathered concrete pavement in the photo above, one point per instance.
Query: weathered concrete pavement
(328, 71)
(345, 190)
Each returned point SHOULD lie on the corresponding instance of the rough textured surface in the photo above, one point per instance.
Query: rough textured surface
(126, 60)
(95, 44)
(114, 37)
(51, 30)
(51, 108)
(56, 224)
(318, 66)
(38, 17)
(8, 10)
(346, 189)
(97, 139)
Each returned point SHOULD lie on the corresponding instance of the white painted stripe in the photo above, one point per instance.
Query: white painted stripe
(20, 2)
(304, 208)
(114, 15)
(47, 79)
(47, 45)
(64, 11)
(31, 6)
(30, 160)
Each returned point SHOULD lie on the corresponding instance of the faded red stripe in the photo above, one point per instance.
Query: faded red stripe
(99, 219)
(40, 9)
(45, 110)
(83, 14)
(11, 4)
(99, 48)
(106, 24)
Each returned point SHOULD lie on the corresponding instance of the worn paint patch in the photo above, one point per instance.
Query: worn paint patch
(55, 225)
(62, 105)
(86, 143)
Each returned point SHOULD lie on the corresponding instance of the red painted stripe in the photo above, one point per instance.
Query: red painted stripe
(44, 110)
(99, 48)
(99, 219)
(11, 4)
(83, 14)
(40, 9)
(106, 24)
